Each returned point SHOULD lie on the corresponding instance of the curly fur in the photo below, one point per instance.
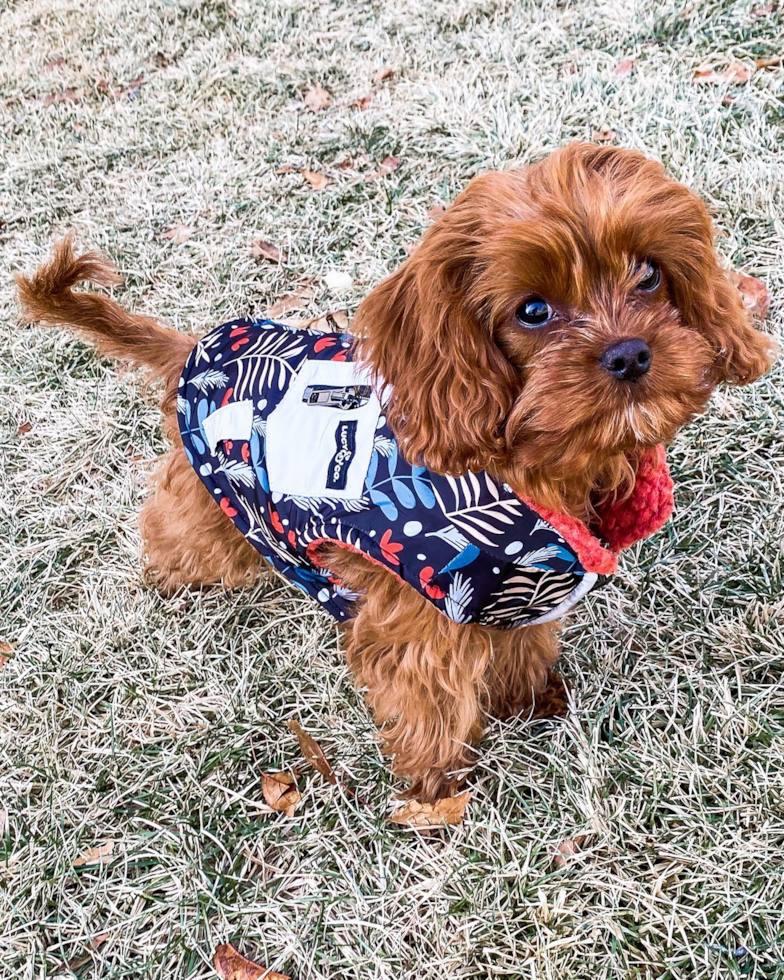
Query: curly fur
(472, 389)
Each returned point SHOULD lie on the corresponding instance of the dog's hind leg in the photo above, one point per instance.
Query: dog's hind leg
(188, 540)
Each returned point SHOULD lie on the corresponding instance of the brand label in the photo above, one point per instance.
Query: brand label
(346, 443)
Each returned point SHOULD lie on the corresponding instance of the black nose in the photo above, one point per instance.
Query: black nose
(627, 360)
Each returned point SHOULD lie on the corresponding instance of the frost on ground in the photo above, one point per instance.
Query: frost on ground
(642, 836)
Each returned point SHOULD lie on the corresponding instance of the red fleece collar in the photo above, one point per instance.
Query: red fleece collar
(621, 522)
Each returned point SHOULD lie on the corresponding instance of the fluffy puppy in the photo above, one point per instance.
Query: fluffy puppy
(553, 328)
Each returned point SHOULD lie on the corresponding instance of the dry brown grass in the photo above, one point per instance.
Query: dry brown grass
(129, 718)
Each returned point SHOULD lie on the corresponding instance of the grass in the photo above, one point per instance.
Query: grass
(144, 721)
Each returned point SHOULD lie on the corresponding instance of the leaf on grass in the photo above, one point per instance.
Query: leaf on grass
(604, 135)
(387, 166)
(382, 75)
(769, 62)
(266, 250)
(362, 102)
(318, 182)
(67, 95)
(625, 66)
(445, 812)
(102, 854)
(313, 752)
(280, 791)
(756, 296)
(735, 73)
(436, 212)
(179, 233)
(285, 169)
(336, 321)
(568, 848)
(230, 964)
(6, 652)
(55, 64)
(24, 428)
(291, 301)
(317, 99)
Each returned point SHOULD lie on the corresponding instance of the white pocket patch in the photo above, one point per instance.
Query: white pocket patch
(320, 437)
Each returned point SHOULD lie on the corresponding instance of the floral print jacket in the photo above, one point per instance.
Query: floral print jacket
(288, 434)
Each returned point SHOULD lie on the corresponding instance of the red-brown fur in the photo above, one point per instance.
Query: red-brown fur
(471, 389)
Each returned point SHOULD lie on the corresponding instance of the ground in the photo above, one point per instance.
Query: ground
(146, 722)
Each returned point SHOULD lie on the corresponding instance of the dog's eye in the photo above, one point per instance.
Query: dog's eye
(650, 277)
(534, 312)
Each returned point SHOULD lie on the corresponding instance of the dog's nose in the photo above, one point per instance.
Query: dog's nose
(627, 360)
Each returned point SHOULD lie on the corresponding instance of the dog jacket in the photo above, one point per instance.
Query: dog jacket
(288, 434)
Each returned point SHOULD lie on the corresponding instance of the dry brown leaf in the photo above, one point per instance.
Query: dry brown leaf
(390, 164)
(336, 321)
(54, 64)
(762, 11)
(6, 652)
(266, 250)
(756, 296)
(625, 66)
(78, 962)
(310, 748)
(179, 233)
(285, 169)
(291, 301)
(230, 964)
(604, 135)
(24, 427)
(382, 75)
(568, 848)
(445, 812)
(362, 102)
(770, 62)
(280, 791)
(317, 99)
(67, 95)
(436, 212)
(102, 854)
(735, 73)
(318, 182)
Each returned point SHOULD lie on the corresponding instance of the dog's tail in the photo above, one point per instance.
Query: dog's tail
(48, 296)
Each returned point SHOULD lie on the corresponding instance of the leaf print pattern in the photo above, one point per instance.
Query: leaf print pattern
(467, 544)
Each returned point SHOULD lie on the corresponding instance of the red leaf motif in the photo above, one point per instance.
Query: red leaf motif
(238, 343)
(228, 445)
(425, 575)
(389, 548)
(323, 343)
(245, 452)
(275, 519)
(226, 507)
(340, 356)
(227, 396)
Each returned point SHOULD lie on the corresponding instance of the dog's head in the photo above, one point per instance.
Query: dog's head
(558, 315)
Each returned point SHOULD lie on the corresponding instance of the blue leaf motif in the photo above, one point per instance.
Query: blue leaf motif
(372, 470)
(463, 558)
(393, 456)
(388, 508)
(404, 496)
(422, 487)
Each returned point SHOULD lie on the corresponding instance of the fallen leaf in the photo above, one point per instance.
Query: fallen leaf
(280, 791)
(54, 64)
(102, 854)
(568, 848)
(604, 135)
(312, 751)
(291, 301)
(179, 233)
(445, 812)
(266, 250)
(230, 964)
(410, 247)
(362, 102)
(756, 296)
(67, 95)
(390, 164)
(734, 74)
(317, 99)
(318, 182)
(6, 652)
(625, 66)
(78, 962)
(769, 62)
(382, 75)
(24, 427)
(285, 169)
(338, 282)
(336, 321)
(762, 11)
(436, 212)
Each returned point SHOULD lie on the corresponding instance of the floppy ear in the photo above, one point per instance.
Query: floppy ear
(451, 387)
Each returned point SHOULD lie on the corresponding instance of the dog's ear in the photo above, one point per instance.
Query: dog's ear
(450, 386)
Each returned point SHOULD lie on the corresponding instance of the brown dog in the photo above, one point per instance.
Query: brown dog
(554, 326)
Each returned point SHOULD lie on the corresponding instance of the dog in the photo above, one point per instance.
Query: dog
(553, 329)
